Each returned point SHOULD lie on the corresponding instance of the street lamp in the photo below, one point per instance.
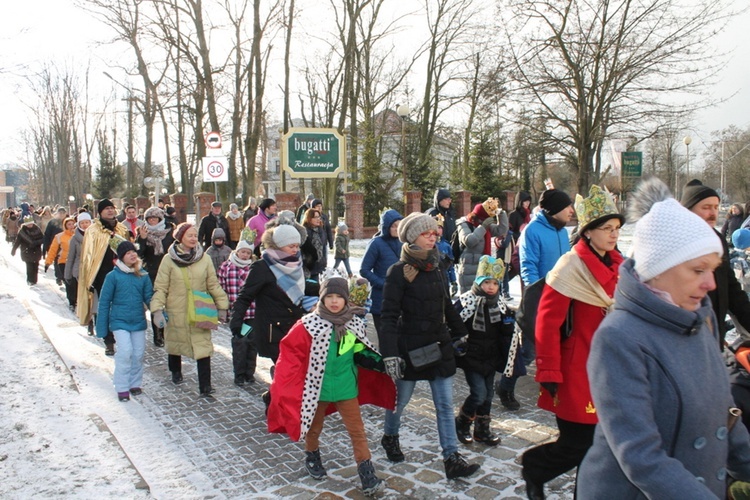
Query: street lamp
(403, 112)
(687, 140)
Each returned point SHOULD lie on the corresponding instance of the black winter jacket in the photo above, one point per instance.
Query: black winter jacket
(728, 295)
(151, 261)
(30, 239)
(487, 351)
(275, 313)
(417, 314)
(208, 224)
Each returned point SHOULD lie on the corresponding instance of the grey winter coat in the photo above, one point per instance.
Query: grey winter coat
(473, 241)
(74, 255)
(661, 392)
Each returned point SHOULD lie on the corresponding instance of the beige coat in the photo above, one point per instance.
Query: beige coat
(171, 294)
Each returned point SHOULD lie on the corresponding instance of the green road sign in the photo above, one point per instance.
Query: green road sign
(632, 168)
(313, 152)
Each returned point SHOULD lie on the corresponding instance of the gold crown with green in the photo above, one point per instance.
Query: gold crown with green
(599, 203)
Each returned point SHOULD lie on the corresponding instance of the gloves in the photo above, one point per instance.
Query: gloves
(13, 253)
(46, 267)
(222, 315)
(159, 319)
(454, 288)
(486, 223)
(394, 367)
(551, 388)
(461, 346)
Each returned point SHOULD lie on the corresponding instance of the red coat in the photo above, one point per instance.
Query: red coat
(564, 362)
(285, 413)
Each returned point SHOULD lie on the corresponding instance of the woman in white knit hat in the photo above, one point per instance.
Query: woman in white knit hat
(660, 388)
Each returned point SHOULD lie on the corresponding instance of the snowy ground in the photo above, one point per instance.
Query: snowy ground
(63, 430)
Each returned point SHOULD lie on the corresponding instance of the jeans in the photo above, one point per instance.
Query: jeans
(442, 398)
(505, 288)
(481, 390)
(346, 265)
(129, 359)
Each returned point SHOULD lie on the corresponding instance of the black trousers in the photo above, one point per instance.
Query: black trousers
(32, 272)
(546, 462)
(174, 362)
(244, 355)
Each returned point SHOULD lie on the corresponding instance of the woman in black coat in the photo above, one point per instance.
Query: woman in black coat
(30, 239)
(154, 239)
(417, 313)
(314, 246)
(278, 286)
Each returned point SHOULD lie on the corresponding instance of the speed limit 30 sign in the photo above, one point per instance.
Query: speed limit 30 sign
(215, 169)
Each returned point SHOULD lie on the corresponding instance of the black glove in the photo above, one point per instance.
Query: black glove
(551, 388)
(461, 346)
(46, 267)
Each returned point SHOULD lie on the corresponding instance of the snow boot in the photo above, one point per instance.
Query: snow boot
(392, 448)
(483, 432)
(370, 482)
(456, 466)
(123, 396)
(314, 465)
(508, 399)
(463, 426)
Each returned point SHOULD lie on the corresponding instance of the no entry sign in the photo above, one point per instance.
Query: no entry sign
(215, 169)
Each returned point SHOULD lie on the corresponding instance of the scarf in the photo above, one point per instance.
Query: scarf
(108, 224)
(418, 259)
(184, 257)
(474, 221)
(339, 319)
(493, 307)
(572, 278)
(155, 236)
(316, 241)
(290, 276)
(234, 259)
(130, 270)
(233, 216)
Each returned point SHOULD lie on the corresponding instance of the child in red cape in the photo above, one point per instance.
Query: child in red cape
(326, 363)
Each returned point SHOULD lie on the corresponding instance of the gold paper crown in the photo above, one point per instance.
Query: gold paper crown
(599, 203)
(490, 206)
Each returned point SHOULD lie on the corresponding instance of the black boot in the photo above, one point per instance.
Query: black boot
(204, 377)
(483, 432)
(392, 448)
(370, 482)
(534, 490)
(508, 399)
(456, 466)
(314, 465)
(463, 426)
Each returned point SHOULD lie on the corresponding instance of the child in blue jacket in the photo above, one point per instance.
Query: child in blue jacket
(121, 310)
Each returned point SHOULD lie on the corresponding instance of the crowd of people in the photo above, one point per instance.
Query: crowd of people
(624, 347)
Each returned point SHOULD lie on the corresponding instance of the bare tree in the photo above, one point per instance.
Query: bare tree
(594, 68)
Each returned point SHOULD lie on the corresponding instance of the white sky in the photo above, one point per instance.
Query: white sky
(36, 31)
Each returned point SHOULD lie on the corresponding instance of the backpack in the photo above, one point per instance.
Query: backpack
(456, 246)
(528, 308)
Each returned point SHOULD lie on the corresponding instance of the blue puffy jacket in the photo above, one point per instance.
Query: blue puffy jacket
(121, 302)
(382, 252)
(540, 246)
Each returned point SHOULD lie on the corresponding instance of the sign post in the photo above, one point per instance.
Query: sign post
(214, 165)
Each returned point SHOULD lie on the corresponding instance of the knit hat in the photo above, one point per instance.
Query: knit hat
(316, 202)
(659, 241)
(245, 244)
(285, 234)
(83, 216)
(154, 212)
(267, 202)
(285, 217)
(124, 248)
(489, 268)
(104, 204)
(694, 192)
(343, 227)
(335, 285)
(415, 224)
(741, 238)
(595, 209)
(310, 197)
(180, 231)
(61, 210)
(170, 210)
(232, 206)
(218, 234)
(554, 201)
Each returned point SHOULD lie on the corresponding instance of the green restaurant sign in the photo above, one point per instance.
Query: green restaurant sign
(631, 170)
(313, 152)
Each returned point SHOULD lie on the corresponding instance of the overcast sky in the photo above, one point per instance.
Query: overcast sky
(37, 31)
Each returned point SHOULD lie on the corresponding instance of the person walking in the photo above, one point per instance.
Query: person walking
(579, 290)
(475, 233)
(125, 292)
(97, 260)
(442, 205)
(154, 239)
(415, 342)
(326, 362)
(213, 220)
(73, 260)
(232, 276)
(251, 210)
(266, 212)
(236, 225)
(341, 248)
(314, 247)
(663, 431)
(218, 251)
(484, 351)
(383, 250)
(186, 269)
(58, 253)
(30, 240)
(733, 222)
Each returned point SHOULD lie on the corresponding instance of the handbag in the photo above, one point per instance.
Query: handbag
(202, 312)
(425, 357)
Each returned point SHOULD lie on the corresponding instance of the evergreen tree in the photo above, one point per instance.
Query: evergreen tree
(109, 177)
(485, 177)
